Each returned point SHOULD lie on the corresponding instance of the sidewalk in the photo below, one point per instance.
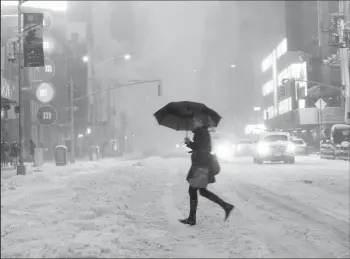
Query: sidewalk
(7, 173)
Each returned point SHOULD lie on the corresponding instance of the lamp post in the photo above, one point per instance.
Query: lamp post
(28, 7)
(21, 169)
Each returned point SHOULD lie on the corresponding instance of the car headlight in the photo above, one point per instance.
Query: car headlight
(263, 148)
(291, 147)
(223, 151)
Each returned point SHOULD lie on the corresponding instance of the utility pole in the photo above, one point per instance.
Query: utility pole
(72, 134)
(344, 38)
(21, 169)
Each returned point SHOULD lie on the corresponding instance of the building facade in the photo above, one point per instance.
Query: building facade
(138, 29)
(9, 78)
(299, 55)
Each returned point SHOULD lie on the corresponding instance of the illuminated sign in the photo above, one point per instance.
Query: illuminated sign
(45, 92)
(47, 72)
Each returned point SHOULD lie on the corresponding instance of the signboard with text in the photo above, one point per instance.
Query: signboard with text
(47, 115)
(33, 39)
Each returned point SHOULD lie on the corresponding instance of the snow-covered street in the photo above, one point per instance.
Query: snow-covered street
(115, 208)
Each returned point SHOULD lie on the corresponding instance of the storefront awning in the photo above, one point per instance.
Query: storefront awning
(7, 101)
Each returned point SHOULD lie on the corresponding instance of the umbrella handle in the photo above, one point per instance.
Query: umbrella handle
(186, 128)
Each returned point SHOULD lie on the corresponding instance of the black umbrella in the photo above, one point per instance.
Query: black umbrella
(179, 115)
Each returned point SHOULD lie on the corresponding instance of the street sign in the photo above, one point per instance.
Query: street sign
(47, 115)
(320, 104)
(45, 92)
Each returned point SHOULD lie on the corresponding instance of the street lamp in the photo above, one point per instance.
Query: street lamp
(85, 59)
(127, 57)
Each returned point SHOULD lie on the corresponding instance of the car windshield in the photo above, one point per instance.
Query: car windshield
(245, 142)
(340, 135)
(298, 141)
(272, 138)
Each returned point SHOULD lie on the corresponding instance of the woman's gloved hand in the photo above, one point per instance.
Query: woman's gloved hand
(187, 140)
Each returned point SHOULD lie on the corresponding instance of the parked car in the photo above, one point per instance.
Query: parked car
(244, 147)
(274, 147)
(301, 147)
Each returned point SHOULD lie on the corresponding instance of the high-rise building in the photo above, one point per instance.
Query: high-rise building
(298, 55)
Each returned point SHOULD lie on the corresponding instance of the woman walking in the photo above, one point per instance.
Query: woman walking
(201, 160)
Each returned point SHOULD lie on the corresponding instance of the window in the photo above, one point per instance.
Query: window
(281, 48)
(285, 106)
(273, 138)
(269, 113)
(298, 141)
(299, 72)
(302, 103)
(268, 88)
(266, 63)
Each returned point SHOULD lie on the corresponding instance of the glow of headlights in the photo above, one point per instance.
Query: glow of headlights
(223, 151)
(177, 145)
(263, 148)
(291, 147)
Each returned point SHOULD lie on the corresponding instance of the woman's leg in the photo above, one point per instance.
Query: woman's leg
(191, 220)
(214, 198)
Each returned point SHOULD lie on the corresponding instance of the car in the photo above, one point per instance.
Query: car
(222, 147)
(301, 147)
(244, 147)
(274, 147)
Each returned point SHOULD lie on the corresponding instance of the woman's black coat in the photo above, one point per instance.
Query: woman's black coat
(201, 157)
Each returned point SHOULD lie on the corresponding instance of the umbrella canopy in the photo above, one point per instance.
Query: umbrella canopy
(179, 115)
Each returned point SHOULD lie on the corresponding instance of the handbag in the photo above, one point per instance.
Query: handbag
(199, 178)
(215, 166)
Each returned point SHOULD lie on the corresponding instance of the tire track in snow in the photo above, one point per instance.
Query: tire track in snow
(195, 248)
(260, 210)
(333, 230)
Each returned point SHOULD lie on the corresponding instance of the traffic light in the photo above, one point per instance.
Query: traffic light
(282, 91)
(17, 109)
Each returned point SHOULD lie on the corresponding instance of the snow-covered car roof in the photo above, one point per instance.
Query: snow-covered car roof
(341, 126)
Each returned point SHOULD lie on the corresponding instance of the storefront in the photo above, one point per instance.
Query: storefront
(9, 122)
(309, 124)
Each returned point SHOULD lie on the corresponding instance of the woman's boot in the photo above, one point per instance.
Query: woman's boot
(191, 220)
(214, 198)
